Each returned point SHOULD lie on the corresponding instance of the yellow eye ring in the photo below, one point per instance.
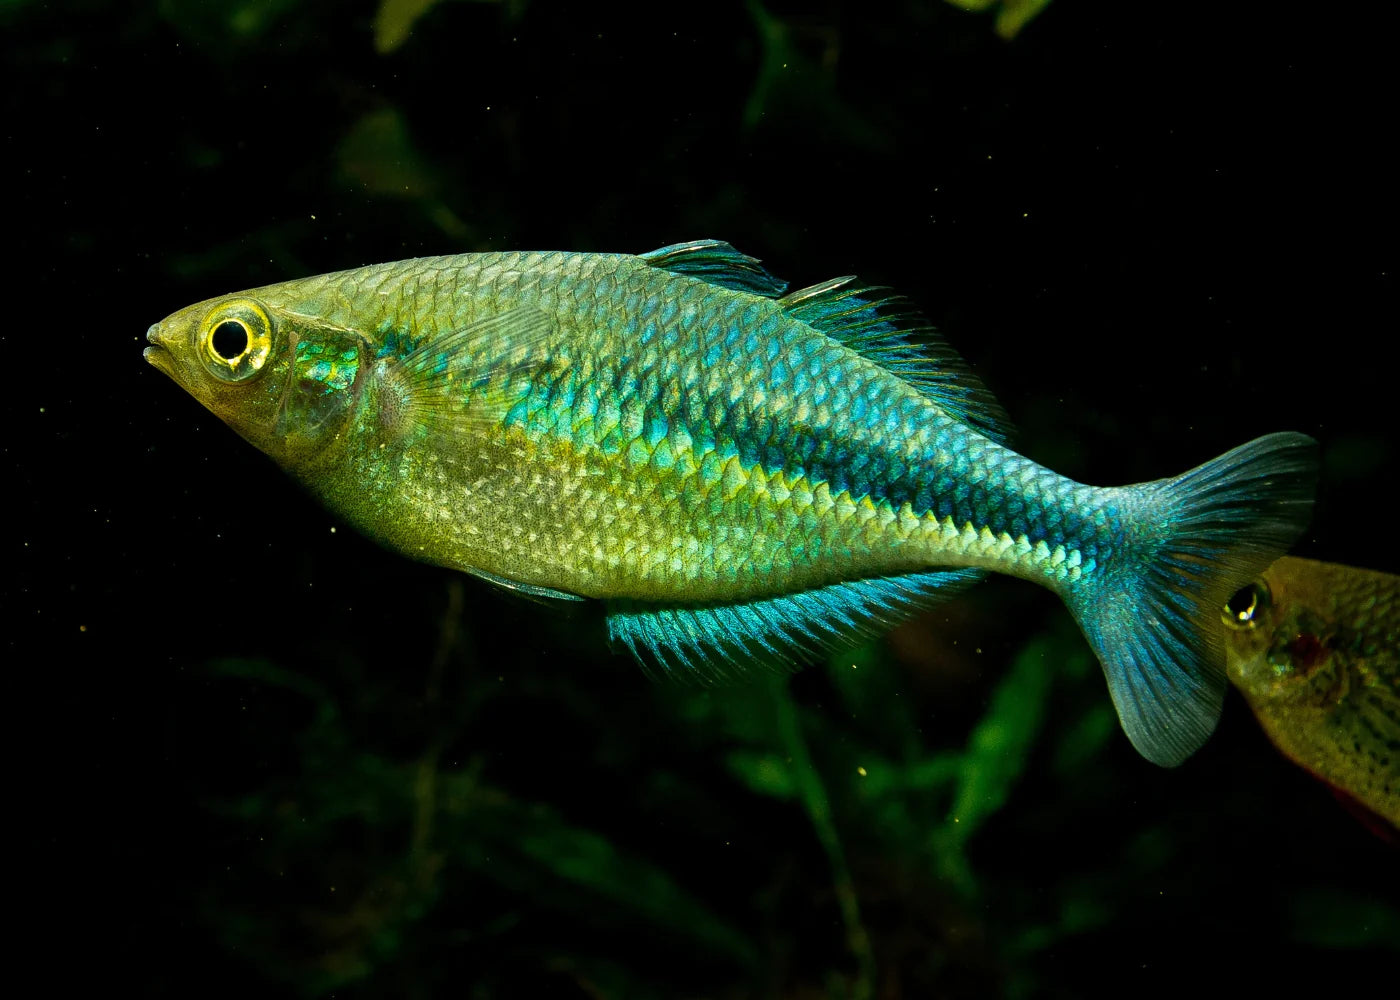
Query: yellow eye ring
(1244, 610)
(236, 340)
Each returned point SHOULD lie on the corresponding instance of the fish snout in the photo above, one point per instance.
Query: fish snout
(158, 354)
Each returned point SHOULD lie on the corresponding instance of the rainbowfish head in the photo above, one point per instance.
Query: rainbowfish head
(283, 384)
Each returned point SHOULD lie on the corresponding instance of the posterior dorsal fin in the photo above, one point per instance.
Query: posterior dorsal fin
(887, 329)
(710, 641)
(719, 264)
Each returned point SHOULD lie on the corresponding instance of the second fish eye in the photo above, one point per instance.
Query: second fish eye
(1242, 611)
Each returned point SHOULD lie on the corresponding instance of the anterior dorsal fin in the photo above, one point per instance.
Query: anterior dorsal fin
(719, 264)
(712, 640)
(887, 329)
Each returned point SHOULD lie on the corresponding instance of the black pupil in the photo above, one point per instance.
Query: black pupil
(230, 339)
(1245, 602)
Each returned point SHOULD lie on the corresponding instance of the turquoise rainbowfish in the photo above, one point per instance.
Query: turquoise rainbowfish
(738, 471)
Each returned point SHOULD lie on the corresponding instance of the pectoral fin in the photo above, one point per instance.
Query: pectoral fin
(527, 589)
(459, 381)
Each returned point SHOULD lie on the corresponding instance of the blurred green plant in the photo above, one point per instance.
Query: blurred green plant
(395, 20)
(1321, 915)
(239, 20)
(378, 154)
(1012, 15)
(367, 844)
(362, 843)
(994, 758)
(796, 79)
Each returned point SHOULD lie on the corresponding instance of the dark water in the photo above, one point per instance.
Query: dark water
(252, 754)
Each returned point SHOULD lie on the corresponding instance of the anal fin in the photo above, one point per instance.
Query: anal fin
(710, 641)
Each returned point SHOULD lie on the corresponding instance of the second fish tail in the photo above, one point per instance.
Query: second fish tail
(1153, 616)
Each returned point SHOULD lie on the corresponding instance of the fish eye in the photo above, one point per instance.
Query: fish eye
(229, 340)
(1243, 610)
(236, 340)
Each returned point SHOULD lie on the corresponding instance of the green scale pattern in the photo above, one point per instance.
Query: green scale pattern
(685, 441)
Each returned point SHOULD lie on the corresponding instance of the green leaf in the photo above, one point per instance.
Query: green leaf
(589, 861)
(996, 754)
(394, 21)
(1012, 15)
(1000, 744)
(765, 773)
(378, 153)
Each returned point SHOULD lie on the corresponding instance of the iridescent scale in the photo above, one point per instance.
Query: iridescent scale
(687, 441)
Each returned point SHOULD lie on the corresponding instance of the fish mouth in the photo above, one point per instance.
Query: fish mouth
(160, 358)
(158, 355)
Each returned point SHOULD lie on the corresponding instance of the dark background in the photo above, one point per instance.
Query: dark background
(252, 753)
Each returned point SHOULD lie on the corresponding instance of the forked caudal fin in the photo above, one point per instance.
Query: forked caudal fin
(1154, 616)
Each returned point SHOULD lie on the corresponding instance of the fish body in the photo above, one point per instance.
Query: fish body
(737, 472)
(1314, 647)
